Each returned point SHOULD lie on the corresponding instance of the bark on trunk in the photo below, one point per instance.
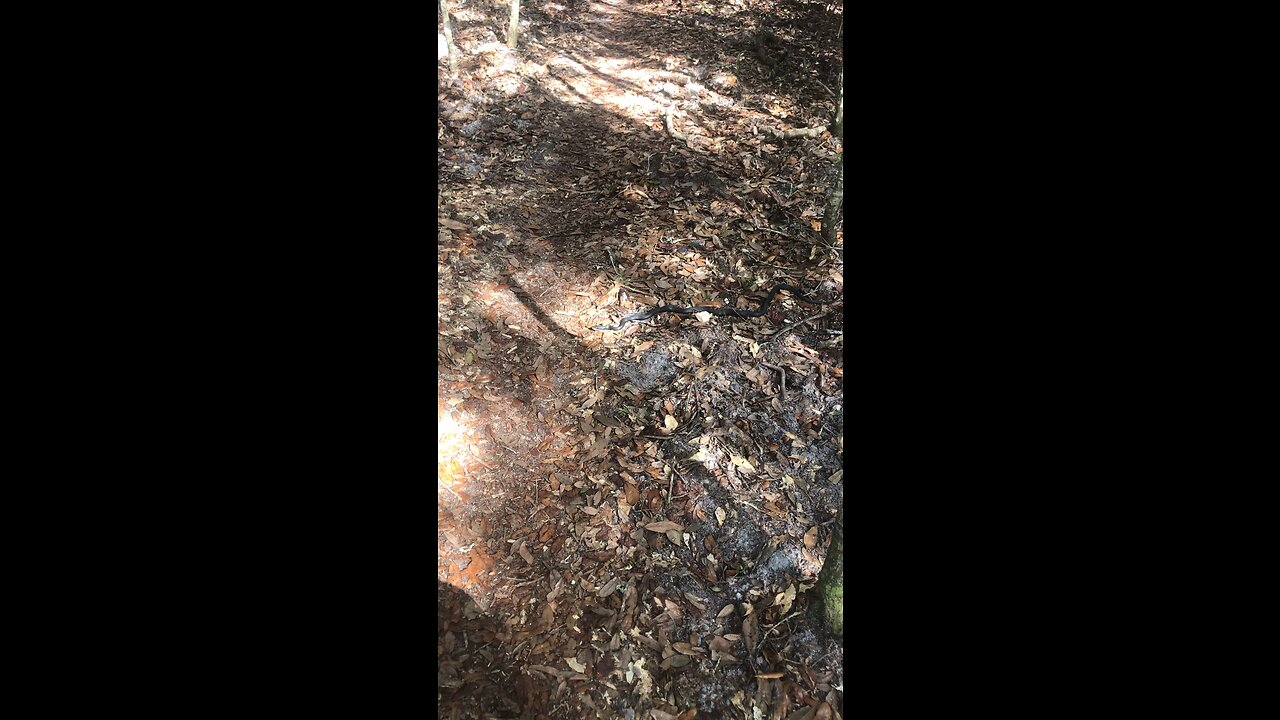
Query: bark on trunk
(837, 125)
(448, 38)
(835, 203)
(831, 583)
(513, 32)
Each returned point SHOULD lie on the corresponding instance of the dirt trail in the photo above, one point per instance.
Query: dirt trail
(629, 520)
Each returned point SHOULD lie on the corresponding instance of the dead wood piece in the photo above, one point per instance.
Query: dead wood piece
(803, 132)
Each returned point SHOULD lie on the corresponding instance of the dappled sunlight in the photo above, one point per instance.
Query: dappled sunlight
(639, 367)
(634, 106)
(520, 314)
(450, 443)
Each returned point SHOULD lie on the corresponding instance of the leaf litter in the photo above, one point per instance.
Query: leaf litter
(629, 522)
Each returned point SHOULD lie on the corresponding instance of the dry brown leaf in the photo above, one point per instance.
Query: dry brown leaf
(784, 599)
(663, 526)
(607, 589)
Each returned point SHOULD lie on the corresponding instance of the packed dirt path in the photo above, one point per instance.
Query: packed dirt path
(630, 520)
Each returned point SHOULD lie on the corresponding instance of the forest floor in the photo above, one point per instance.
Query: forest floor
(629, 521)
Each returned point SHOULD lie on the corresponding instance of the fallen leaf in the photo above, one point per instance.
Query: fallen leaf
(607, 589)
(663, 526)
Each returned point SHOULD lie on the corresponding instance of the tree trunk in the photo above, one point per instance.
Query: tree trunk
(513, 32)
(448, 38)
(831, 583)
(837, 125)
(835, 202)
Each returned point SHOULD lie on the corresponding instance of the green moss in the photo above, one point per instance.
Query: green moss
(833, 608)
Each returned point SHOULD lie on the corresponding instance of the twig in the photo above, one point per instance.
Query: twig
(794, 325)
(784, 619)
(766, 264)
(637, 291)
(769, 229)
(824, 87)
(446, 487)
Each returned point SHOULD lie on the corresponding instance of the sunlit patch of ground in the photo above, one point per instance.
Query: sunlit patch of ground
(555, 458)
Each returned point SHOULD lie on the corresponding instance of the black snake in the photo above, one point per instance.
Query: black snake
(722, 311)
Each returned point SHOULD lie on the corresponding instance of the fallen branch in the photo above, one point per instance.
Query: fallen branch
(803, 132)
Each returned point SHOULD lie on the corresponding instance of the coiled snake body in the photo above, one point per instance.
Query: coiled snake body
(722, 311)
